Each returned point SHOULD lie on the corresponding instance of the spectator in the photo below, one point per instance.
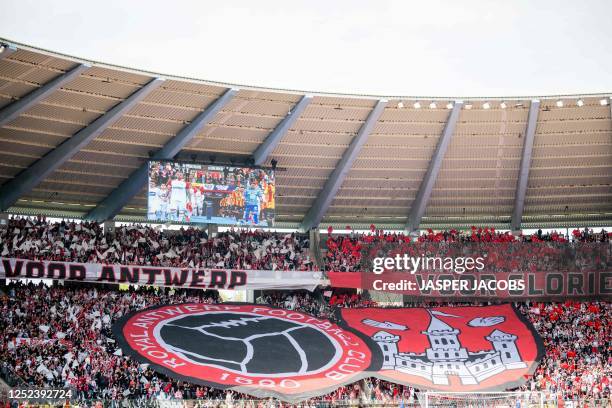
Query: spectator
(72, 344)
(143, 245)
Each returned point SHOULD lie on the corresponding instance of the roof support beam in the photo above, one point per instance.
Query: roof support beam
(111, 205)
(7, 50)
(263, 151)
(417, 210)
(16, 108)
(316, 213)
(25, 181)
(523, 178)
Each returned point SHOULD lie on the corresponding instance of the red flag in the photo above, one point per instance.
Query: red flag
(407, 336)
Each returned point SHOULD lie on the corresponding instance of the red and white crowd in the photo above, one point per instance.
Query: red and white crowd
(578, 341)
(61, 335)
(142, 245)
(35, 238)
(503, 251)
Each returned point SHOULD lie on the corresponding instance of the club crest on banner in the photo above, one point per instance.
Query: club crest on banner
(450, 349)
(270, 352)
(255, 349)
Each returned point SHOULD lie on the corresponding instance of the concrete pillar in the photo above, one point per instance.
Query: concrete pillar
(386, 298)
(109, 227)
(4, 218)
(315, 247)
(212, 229)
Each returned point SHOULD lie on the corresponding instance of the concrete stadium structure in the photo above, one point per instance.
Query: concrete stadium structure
(75, 137)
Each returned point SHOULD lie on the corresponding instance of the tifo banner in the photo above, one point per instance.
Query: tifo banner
(265, 351)
(159, 276)
(254, 349)
(477, 348)
(544, 286)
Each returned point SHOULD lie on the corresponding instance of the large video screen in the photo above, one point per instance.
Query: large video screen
(200, 193)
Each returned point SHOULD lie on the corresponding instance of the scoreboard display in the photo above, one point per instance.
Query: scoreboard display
(213, 194)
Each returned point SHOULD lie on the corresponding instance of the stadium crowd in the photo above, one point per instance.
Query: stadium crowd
(503, 251)
(60, 335)
(578, 341)
(71, 344)
(35, 238)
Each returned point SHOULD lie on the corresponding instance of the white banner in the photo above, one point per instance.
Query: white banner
(228, 279)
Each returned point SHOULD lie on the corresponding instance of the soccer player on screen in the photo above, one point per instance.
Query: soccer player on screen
(252, 200)
(193, 199)
(153, 203)
(164, 201)
(178, 197)
(197, 200)
(153, 199)
(269, 191)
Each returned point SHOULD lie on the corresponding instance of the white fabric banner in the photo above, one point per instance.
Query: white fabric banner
(228, 279)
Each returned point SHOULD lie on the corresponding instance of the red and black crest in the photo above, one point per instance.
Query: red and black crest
(256, 349)
(265, 351)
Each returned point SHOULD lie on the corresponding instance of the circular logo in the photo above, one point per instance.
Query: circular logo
(247, 343)
(256, 349)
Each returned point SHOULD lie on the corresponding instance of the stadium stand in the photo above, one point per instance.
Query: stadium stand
(506, 252)
(143, 245)
(460, 177)
(79, 350)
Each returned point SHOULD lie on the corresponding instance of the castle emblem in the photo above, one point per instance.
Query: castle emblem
(446, 356)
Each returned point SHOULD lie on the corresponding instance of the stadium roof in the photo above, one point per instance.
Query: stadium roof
(73, 131)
